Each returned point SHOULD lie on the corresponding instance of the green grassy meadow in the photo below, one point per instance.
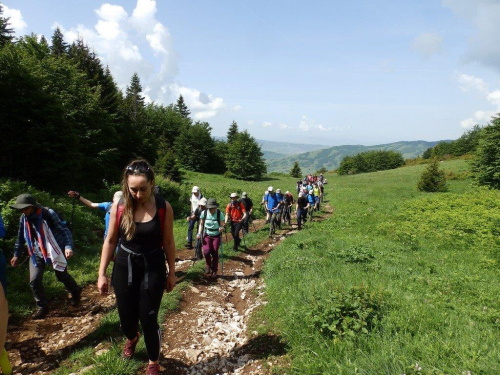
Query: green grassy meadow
(395, 281)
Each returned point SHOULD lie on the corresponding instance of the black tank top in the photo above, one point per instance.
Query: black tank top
(147, 236)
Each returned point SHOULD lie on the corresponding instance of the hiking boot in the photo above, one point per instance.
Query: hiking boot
(214, 275)
(76, 298)
(188, 245)
(40, 313)
(129, 348)
(153, 369)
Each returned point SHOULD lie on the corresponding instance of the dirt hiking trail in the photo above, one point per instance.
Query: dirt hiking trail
(207, 335)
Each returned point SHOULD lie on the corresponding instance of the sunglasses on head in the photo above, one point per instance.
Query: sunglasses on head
(139, 167)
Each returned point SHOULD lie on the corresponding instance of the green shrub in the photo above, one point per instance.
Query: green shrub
(370, 161)
(87, 225)
(343, 312)
(471, 219)
(432, 179)
(355, 254)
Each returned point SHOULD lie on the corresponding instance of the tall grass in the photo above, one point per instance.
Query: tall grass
(434, 294)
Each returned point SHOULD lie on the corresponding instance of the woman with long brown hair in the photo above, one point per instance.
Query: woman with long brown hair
(143, 222)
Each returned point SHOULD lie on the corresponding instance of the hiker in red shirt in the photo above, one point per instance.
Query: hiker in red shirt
(235, 211)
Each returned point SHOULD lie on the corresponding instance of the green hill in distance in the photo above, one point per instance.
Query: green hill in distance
(330, 158)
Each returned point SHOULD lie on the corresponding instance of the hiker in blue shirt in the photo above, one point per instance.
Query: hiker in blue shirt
(311, 199)
(104, 206)
(273, 204)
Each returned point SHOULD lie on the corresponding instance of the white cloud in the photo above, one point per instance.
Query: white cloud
(237, 107)
(427, 44)
(250, 122)
(284, 126)
(468, 83)
(16, 20)
(303, 125)
(308, 124)
(471, 83)
(197, 102)
(267, 124)
(122, 41)
(494, 98)
(322, 128)
(480, 117)
(484, 16)
(109, 12)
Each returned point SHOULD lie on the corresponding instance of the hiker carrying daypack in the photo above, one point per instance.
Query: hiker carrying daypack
(248, 204)
(209, 231)
(236, 212)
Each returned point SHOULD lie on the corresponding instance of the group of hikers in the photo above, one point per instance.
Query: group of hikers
(139, 238)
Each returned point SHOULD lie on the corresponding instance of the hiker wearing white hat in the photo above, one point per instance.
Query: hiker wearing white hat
(192, 220)
(263, 203)
(236, 213)
(273, 203)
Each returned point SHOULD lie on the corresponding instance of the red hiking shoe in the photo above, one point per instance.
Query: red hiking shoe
(153, 369)
(129, 349)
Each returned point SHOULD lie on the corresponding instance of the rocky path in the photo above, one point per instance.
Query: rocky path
(208, 335)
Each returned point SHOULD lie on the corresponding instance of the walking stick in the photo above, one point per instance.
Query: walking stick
(221, 256)
(73, 214)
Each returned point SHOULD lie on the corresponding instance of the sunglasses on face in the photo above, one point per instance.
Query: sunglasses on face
(139, 167)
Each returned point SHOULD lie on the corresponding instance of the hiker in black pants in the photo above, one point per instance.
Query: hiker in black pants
(248, 204)
(143, 222)
(48, 241)
(236, 212)
(301, 209)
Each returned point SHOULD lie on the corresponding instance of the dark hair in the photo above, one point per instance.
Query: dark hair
(135, 168)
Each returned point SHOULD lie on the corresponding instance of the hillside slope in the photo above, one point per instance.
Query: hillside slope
(330, 158)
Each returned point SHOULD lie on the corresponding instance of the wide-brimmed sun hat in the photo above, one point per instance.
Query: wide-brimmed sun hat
(233, 195)
(195, 189)
(270, 188)
(212, 203)
(25, 200)
(202, 202)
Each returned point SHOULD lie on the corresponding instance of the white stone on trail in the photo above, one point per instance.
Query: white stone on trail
(239, 273)
(195, 290)
(192, 354)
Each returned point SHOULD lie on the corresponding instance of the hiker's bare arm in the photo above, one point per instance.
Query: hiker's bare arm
(86, 202)
(108, 249)
(200, 228)
(169, 246)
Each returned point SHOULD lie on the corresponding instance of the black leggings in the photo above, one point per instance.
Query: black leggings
(138, 304)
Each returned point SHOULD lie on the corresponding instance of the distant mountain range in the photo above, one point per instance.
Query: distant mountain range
(331, 157)
(276, 150)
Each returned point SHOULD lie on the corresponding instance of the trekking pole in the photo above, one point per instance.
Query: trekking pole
(221, 256)
(73, 215)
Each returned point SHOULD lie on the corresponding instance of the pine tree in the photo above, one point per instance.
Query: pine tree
(245, 158)
(232, 132)
(486, 162)
(166, 162)
(59, 46)
(182, 108)
(432, 179)
(134, 100)
(296, 171)
(5, 31)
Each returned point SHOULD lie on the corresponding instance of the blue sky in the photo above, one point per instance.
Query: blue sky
(327, 72)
